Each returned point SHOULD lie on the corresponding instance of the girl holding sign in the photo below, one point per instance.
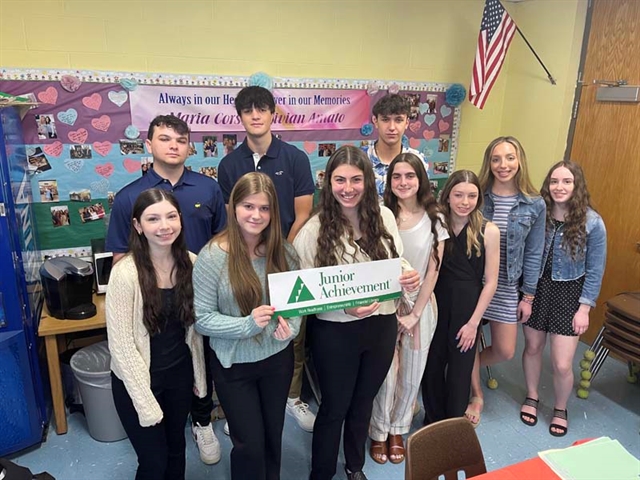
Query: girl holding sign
(408, 195)
(353, 348)
(252, 361)
(471, 253)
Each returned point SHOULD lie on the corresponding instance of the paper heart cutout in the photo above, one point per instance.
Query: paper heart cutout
(119, 97)
(129, 84)
(424, 107)
(54, 149)
(429, 119)
(50, 95)
(103, 148)
(101, 186)
(414, 142)
(131, 132)
(93, 101)
(428, 134)
(131, 165)
(69, 116)
(70, 83)
(373, 88)
(445, 111)
(309, 147)
(101, 123)
(443, 126)
(415, 126)
(75, 165)
(78, 136)
(105, 169)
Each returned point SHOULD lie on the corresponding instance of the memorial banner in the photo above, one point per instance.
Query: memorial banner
(317, 290)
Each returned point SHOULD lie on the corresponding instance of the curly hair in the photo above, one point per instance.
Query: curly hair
(334, 224)
(424, 196)
(523, 182)
(574, 238)
(147, 278)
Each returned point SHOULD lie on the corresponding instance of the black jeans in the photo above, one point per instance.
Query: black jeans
(160, 448)
(201, 407)
(254, 396)
(352, 360)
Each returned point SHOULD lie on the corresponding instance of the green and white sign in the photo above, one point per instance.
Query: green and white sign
(317, 290)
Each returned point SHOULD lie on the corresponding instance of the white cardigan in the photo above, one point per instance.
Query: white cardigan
(130, 345)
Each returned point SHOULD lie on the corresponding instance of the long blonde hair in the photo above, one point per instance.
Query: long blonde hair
(522, 180)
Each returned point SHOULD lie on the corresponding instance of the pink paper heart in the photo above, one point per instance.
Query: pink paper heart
(414, 142)
(443, 126)
(103, 148)
(70, 83)
(54, 149)
(309, 147)
(105, 169)
(50, 95)
(415, 126)
(131, 165)
(78, 136)
(428, 134)
(101, 123)
(93, 101)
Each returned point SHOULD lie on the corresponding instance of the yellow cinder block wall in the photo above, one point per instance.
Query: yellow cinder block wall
(421, 40)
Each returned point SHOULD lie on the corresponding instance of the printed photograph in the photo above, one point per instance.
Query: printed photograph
(440, 167)
(91, 213)
(146, 163)
(414, 103)
(229, 142)
(131, 147)
(111, 196)
(46, 125)
(48, 191)
(319, 178)
(443, 143)
(434, 186)
(367, 143)
(326, 149)
(210, 146)
(209, 172)
(432, 101)
(81, 196)
(60, 216)
(80, 151)
(37, 160)
(192, 149)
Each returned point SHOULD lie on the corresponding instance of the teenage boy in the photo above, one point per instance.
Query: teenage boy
(290, 170)
(390, 116)
(203, 215)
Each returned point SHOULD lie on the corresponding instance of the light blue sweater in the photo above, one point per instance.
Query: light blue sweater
(234, 338)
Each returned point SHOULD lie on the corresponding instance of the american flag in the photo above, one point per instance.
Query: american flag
(496, 32)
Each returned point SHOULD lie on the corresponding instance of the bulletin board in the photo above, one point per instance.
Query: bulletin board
(85, 139)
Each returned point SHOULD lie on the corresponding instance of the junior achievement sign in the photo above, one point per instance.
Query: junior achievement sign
(317, 290)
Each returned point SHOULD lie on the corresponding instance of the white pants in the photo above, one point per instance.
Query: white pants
(393, 405)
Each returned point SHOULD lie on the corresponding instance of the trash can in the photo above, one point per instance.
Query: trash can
(91, 367)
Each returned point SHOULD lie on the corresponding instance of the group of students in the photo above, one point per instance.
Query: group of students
(490, 248)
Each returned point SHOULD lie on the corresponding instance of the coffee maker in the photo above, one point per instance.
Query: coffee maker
(68, 287)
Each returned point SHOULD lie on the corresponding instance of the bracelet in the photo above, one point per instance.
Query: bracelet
(526, 298)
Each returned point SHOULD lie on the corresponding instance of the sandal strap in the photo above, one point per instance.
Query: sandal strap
(530, 402)
(562, 414)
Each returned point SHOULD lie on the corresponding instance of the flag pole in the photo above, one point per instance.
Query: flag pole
(549, 76)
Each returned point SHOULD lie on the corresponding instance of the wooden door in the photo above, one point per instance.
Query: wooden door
(606, 143)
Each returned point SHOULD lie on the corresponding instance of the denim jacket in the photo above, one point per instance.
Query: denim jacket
(589, 263)
(525, 239)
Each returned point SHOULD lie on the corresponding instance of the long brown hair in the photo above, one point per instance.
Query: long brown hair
(243, 278)
(523, 182)
(424, 196)
(474, 230)
(574, 238)
(147, 278)
(334, 224)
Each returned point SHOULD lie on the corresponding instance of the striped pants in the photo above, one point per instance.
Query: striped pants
(393, 405)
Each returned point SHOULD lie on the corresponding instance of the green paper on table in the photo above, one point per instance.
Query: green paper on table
(599, 459)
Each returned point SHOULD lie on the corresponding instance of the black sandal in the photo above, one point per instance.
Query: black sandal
(529, 419)
(562, 414)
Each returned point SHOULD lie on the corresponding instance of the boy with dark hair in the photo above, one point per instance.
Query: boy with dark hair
(203, 215)
(290, 170)
(390, 116)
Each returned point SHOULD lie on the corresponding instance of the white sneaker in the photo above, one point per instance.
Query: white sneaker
(226, 428)
(207, 442)
(300, 411)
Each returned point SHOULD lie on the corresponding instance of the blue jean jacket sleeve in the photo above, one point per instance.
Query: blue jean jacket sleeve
(595, 260)
(533, 249)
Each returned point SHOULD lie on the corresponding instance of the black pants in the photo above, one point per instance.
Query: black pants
(254, 397)
(160, 448)
(447, 379)
(201, 407)
(352, 360)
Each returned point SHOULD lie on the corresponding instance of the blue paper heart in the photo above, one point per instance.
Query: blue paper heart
(445, 111)
(69, 117)
(424, 107)
(429, 119)
(128, 83)
(131, 132)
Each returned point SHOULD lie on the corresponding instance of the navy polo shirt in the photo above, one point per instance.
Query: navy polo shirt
(200, 200)
(288, 167)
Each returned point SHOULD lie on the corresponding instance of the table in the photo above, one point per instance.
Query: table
(54, 330)
(532, 468)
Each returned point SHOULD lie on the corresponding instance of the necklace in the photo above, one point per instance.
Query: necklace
(408, 217)
(163, 270)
